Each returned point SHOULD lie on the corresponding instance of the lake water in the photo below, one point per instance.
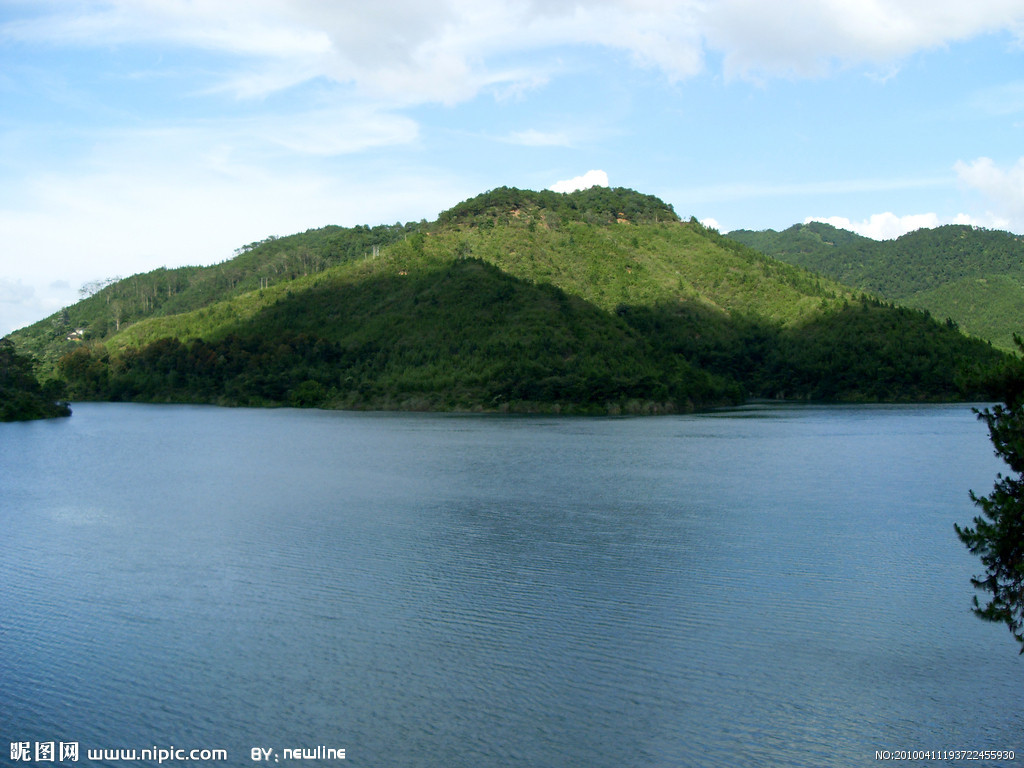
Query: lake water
(770, 586)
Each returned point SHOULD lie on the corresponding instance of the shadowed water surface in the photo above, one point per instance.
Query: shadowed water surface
(768, 586)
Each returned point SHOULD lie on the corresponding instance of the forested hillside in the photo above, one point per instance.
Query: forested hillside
(22, 397)
(597, 301)
(973, 276)
(112, 304)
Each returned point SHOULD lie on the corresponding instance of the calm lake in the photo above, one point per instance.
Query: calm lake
(769, 586)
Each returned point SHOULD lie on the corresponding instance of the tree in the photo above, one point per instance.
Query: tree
(998, 534)
(21, 395)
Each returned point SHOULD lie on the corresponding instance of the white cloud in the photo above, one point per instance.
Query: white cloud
(587, 180)
(169, 198)
(192, 189)
(267, 27)
(881, 226)
(407, 51)
(888, 226)
(808, 37)
(401, 51)
(1003, 189)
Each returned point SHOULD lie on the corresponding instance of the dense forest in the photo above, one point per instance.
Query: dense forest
(601, 301)
(461, 335)
(970, 275)
(22, 397)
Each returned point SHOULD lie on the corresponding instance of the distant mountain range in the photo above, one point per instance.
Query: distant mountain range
(973, 276)
(599, 301)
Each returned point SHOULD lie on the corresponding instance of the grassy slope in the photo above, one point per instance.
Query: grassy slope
(641, 264)
(606, 265)
(641, 255)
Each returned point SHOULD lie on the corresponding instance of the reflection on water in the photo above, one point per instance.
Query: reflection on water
(770, 586)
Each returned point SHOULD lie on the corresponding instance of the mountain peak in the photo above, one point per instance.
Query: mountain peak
(596, 205)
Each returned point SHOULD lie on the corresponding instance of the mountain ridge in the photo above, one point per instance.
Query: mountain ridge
(597, 301)
(973, 275)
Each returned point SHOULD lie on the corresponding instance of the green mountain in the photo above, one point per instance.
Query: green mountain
(112, 304)
(973, 276)
(596, 301)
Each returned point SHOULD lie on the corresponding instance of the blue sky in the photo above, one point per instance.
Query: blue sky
(136, 134)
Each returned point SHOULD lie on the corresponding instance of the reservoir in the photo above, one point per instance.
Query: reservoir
(765, 586)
